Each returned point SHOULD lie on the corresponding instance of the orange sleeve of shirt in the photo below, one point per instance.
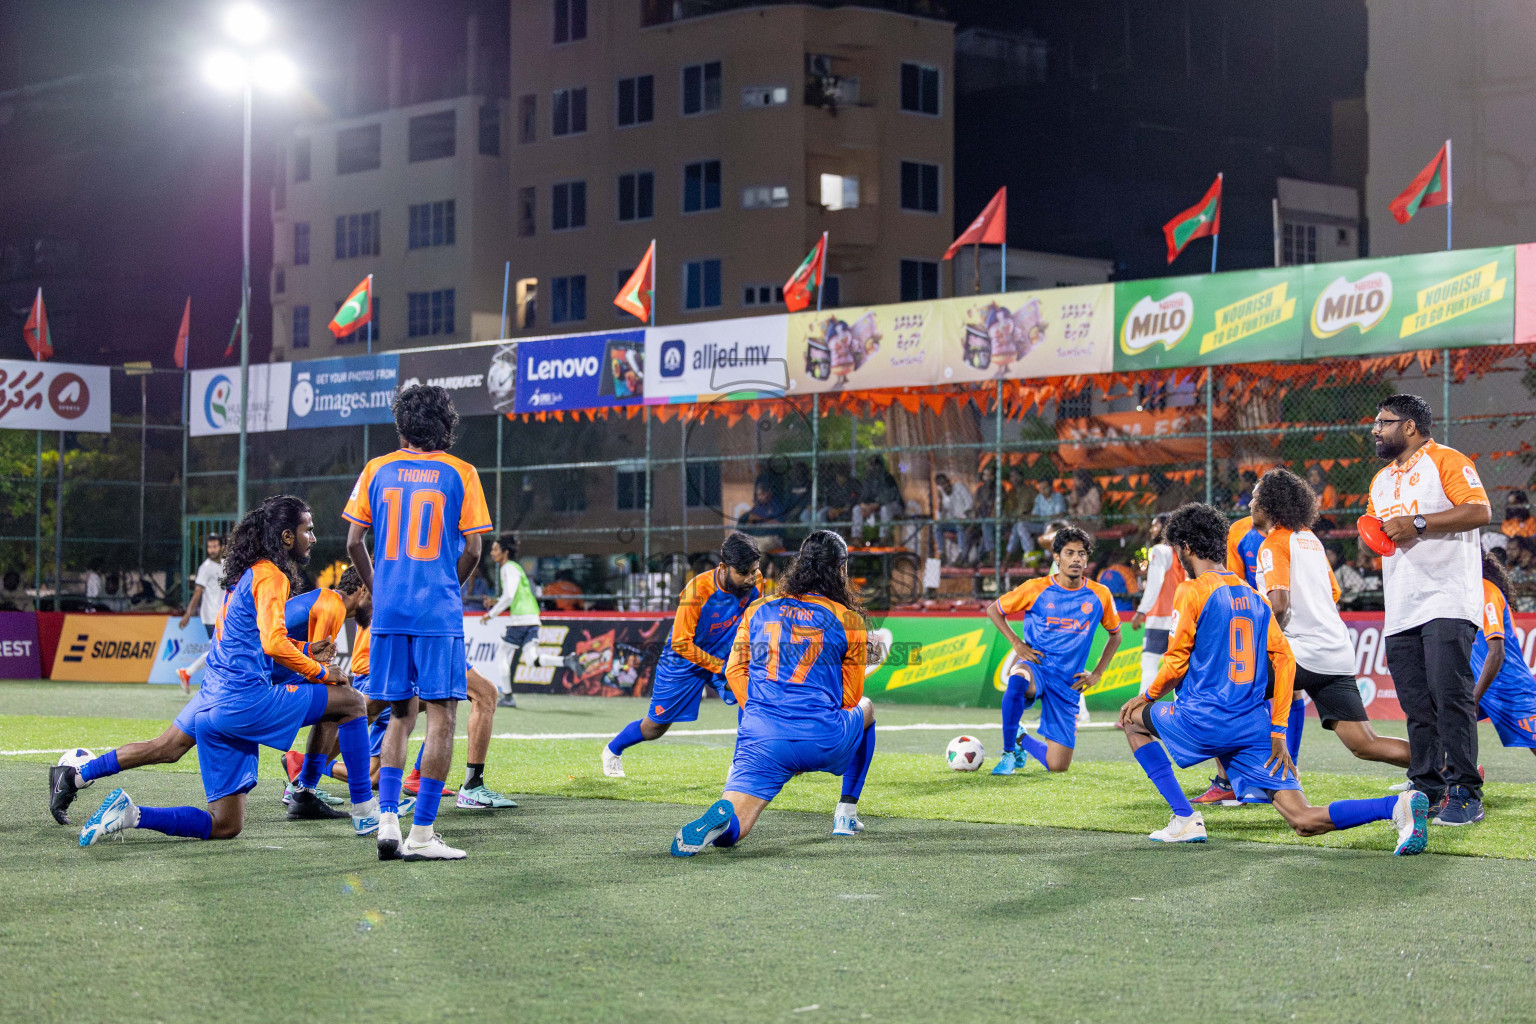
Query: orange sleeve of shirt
(325, 618)
(1188, 601)
(855, 658)
(269, 588)
(360, 652)
(1283, 662)
(689, 605)
(474, 517)
(1458, 476)
(357, 508)
(1493, 611)
(1275, 559)
(1235, 533)
(1110, 620)
(740, 661)
(1333, 581)
(1022, 597)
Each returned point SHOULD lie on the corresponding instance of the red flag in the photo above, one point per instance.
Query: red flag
(234, 335)
(989, 228)
(181, 335)
(805, 283)
(36, 332)
(1432, 187)
(1199, 221)
(636, 295)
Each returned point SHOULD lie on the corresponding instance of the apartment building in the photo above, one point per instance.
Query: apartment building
(733, 134)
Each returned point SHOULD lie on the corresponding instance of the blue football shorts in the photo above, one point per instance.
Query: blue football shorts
(1242, 744)
(1058, 702)
(764, 763)
(230, 732)
(402, 666)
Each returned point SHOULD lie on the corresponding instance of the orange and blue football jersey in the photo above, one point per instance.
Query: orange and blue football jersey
(1223, 640)
(704, 627)
(1059, 622)
(360, 645)
(310, 618)
(421, 506)
(1243, 544)
(1514, 683)
(795, 665)
(251, 635)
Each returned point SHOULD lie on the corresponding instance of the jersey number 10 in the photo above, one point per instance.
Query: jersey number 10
(423, 525)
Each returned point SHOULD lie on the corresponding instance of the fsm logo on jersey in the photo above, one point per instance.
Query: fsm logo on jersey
(589, 371)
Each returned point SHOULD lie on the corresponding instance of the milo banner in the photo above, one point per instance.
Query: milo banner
(1455, 299)
(859, 349)
(1053, 333)
(933, 659)
(1249, 316)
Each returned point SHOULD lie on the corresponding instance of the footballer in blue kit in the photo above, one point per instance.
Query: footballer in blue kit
(1062, 612)
(427, 512)
(708, 612)
(1505, 691)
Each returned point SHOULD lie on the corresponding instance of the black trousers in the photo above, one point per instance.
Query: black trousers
(1432, 670)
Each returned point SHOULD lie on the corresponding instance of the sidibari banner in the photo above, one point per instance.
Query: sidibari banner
(588, 371)
(742, 358)
(334, 392)
(55, 396)
(216, 399)
(1022, 335)
(481, 379)
(107, 648)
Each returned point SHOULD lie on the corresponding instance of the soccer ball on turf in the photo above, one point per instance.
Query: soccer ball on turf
(75, 758)
(965, 754)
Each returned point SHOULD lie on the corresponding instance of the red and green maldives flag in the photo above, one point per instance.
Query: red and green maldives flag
(1432, 187)
(356, 311)
(804, 285)
(1199, 221)
(639, 291)
(39, 339)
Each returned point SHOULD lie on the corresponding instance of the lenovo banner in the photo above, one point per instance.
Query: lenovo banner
(55, 396)
(588, 371)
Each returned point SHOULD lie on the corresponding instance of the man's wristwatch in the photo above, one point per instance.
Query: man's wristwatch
(1419, 524)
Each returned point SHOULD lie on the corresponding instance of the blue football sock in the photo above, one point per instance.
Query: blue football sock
(419, 751)
(427, 798)
(1293, 729)
(390, 781)
(731, 834)
(858, 767)
(330, 766)
(1014, 703)
(309, 774)
(100, 767)
(1349, 813)
(192, 822)
(1035, 748)
(1154, 761)
(627, 737)
(352, 737)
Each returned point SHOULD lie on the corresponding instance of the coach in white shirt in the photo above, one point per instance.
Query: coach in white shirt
(1431, 504)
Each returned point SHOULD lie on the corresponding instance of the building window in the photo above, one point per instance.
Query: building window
(279, 280)
(1298, 244)
(357, 234)
(764, 197)
(919, 280)
(701, 88)
(701, 284)
(527, 118)
(840, 191)
(701, 186)
(570, 206)
(629, 486)
(431, 224)
(428, 313)
(568, 299)
(358, 149)
(301, 244)
(300, 160)
(636, 101)
(764, 96)
(300, 337)
(919, 187)
(527, 302)
(570, 20)
(570, 111)
(527, 211)
(637, 196)
(920, 89)
(431, 136)
(832, 292)
(703, 485)
(761, 294)
(490, 129)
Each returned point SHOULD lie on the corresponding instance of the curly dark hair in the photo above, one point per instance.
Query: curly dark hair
(821, 568)
(1494, 573)
(350, 582)
(260, 536)
(1286, 499)
(426, 418)
(740, 552)
(1410, 407)
(1200, 528)
(1068, 534)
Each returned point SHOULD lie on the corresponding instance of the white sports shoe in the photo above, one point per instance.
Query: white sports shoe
(1401, 787)
(365, 817)
(1181, 830)
(433, 849)
(116, 813)
(389, 836)
(845, 821)
(613, 764)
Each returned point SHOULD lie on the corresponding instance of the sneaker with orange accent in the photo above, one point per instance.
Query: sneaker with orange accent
(293, 763)
(412, 785)
(1220, 792)
(186, 680)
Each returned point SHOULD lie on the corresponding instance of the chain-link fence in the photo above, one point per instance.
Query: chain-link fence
(616, 511)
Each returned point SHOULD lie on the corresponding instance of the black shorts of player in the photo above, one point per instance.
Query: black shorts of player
(1154, 641)
(517, 636)
(1337, 697)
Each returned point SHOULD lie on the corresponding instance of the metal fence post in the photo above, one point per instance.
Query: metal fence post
(58, 530)
(646, 530)
(1445, 392)
(37, 544)
(500, 419)
(143, 459)
(815, 453)
(997, 493)
(682, 423)
(1210, 415)
(181, 566)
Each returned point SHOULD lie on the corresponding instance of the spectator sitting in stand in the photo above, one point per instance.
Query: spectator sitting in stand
(1245, 489)
(797, 497)
(12, 596)
(983, 536)
(1017, 503)
(1087, 499)
(1351, 583)
(765, 507)
(952, 504)
(879, 500)
(474, 591)
(1048, 505)
(1517, 517)
(94, 584)
(837, 494)
(1522, 572)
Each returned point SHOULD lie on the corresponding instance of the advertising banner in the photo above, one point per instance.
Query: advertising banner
(1525, 294)
(1454, 299)
(482, 380)
(614, 656)
(216, 399)
(743, 357)
(107, 648)
(179, 648)
(1249, 316)
(1120, 682)
(932, 659)
(1053, 333)
(588, 371)
(335, 392)
(863, 348)
(55, 396)
(20, 653)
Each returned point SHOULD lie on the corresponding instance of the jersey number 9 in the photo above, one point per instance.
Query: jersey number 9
(1240, 649)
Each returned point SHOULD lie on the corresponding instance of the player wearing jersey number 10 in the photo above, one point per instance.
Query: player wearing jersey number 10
(427, 512)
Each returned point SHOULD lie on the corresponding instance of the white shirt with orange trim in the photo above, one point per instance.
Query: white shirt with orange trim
(1296, 563)
(1435, 576)
(1164, 574)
